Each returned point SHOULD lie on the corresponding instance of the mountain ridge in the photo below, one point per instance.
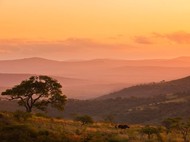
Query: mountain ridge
(100, 72)
(98, 59)
(152, 89)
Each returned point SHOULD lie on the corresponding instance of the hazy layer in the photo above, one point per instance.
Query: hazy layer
(87, 79)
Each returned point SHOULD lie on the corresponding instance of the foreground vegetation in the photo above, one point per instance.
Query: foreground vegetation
(25, 127)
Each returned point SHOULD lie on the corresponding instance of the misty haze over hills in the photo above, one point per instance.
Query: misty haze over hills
(93, 78)
(146, 103)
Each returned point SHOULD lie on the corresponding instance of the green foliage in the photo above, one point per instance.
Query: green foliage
(84, 119)
(38, 92)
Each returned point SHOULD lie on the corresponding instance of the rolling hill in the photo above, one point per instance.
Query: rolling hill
(104, 70)
(152, 89)
(166, 99)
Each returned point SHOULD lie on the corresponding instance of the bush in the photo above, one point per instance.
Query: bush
(150, 131)
(21, 116)
(84, 119)
(19, 133)
(41, 115)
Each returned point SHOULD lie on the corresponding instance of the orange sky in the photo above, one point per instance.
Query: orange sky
(84, 29)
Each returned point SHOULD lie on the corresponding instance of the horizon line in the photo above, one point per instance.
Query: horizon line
(93, 59)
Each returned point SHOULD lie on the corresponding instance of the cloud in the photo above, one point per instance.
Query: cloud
(85, 48)
(177, 37)
(143, 40)
(76, 48)
(168, 38)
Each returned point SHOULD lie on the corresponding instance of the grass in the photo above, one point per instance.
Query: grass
(37, 128)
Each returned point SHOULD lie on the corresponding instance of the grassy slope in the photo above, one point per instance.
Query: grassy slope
(41, 129)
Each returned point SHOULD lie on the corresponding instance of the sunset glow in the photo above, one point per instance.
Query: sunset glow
(86, 29)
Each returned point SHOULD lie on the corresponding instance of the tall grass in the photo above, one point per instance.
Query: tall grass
(38, 128)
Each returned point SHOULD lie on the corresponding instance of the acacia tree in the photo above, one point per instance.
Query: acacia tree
(84, 119)
(184, 128)
(179, 125)
(171, 124)
(150, 131)
(38, 92)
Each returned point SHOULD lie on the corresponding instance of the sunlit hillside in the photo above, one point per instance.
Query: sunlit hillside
(24, 127)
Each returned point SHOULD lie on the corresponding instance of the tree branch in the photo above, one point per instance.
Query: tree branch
(37, 98)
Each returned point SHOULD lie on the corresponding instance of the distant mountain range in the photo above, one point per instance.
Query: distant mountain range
(93, 78)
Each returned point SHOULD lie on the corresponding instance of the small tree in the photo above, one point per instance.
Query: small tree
(184, 129)
(84, 119)
(171, 124)
(37, 92)
(150, 131)
(179, 125)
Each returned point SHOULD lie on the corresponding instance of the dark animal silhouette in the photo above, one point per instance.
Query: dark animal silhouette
(122, 126)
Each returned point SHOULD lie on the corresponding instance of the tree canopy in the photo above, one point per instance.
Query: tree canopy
(84, 119)
(38, 92)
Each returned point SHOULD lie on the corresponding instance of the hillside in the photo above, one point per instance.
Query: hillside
(132, 110)
(157, 103)
(152, 89)
(24, 127)
(127, 110)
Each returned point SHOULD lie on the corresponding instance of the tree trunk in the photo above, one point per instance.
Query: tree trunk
(149, 136)
(28, 109)
(185, 139)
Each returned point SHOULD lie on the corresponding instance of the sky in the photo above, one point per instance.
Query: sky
(90, 29)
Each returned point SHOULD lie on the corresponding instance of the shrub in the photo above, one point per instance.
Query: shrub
(41, 115)
(149, 131)
(19, 133)
(21, 116)
(84, 119)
